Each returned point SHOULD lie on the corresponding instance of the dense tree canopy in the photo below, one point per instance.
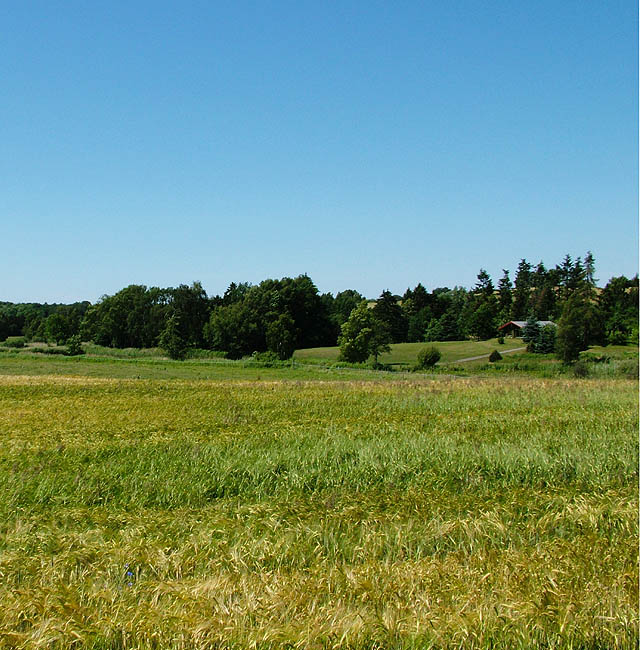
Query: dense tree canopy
(289, 313)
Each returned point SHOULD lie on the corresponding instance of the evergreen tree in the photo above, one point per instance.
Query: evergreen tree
(545, 343)
(420, 297)
(590, 269)
(572, 335)
(235, 292)
(418, 324)
(484, 285)
(441, 298)
(531, 330)
(505, 299)
(522, 291)
(564, 274)
(389, 313)
(480, 314)
(417, 312)
(572, 276)
(172, 339)
(577, 275)
(449, 326)
(483, 321)
(434, 331)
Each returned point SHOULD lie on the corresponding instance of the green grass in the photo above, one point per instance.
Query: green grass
(13, 362)
(407, 353)
(271, 508)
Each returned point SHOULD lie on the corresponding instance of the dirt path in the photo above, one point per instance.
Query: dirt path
(481, 356)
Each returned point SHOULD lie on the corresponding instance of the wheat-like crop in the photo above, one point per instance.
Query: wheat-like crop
(412, 513)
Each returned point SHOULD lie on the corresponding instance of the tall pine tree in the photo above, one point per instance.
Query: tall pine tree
(522, 291)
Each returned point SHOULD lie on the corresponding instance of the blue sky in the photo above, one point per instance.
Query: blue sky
(372, 145)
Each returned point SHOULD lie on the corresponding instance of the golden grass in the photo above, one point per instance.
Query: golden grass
(396, 514)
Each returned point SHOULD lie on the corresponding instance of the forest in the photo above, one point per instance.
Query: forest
(282, 315)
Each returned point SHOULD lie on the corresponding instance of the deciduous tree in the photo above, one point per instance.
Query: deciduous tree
(362, 336)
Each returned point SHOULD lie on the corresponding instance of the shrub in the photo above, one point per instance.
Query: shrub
(14, 342)
(74, 346)
(629, 369)
(50, 350)
(428, 357)
(199, 353)
(580, 369)
(594, 358)
(501, 340)
(267, 359)
(495, 356)
(617, 338)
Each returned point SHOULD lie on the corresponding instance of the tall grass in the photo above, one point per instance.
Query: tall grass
(364, 514)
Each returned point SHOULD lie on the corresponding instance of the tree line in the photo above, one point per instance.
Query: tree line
(285, 314)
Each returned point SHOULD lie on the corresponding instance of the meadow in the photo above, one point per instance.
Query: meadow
(154, 504)
(405, 354)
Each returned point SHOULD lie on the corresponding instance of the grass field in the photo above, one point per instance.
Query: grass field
(150, 504)
(407, 353)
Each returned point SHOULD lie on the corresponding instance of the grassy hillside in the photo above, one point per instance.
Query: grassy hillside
(406, 353)
(252, 511)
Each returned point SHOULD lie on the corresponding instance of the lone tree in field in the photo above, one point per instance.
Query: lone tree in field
(363, 336)
(172, 339)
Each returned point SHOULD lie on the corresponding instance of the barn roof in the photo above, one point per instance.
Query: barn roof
(521, 323)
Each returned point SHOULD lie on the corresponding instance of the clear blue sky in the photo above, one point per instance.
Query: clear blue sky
(372, 145)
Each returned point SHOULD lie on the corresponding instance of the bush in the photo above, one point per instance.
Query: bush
(51, 350)
(617, 338)
(501, 340)
(267, 359)
(199, 353)
(14, 342)
(428, 357)
(495, 356)
(580, 369)
(594, 358)
(629, 369)
(74, 346)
